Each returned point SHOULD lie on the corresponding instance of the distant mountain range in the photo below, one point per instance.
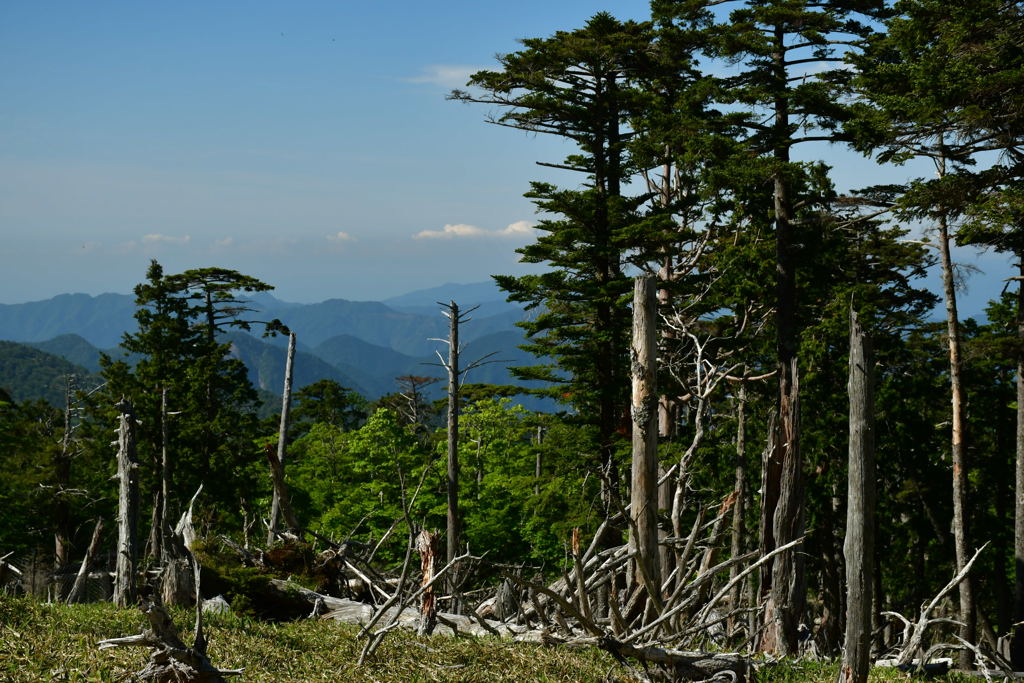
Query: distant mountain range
(363, 345)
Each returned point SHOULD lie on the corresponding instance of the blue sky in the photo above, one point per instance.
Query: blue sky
(306, 143)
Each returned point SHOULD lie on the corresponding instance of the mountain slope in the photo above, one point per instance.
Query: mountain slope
(27, 373)
(266, 365)
(100, 320)
(72, 348)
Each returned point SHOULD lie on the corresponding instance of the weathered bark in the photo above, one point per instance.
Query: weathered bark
(958, 451)
(427, 546)
(740, 489)
(83, 570)
(1017, 644)
(538, 462)
(913, 633)
(164, 523)
(644, 485)
(171, 659)
(782, 518)
(683, 666)
(281, 503)
(177, 587)
(666, 493)
(62, 481)
(858, 549)
(127, 507)
(159, 525)
(453, 435)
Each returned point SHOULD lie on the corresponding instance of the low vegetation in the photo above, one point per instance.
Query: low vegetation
(40, 641)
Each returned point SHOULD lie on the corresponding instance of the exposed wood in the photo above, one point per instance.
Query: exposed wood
(83, 570)
(782, 581)
(740, 488)
(62, 480)
(1017, 642)
(281, 503)
(957, 447)
(452, 367)
(178, 583)
(352, 612)
(679, 665)
(159, 525)
(427, 546)
(455, 371)
(127, 507)
(858, 548)
(171, 659)
(643, 536)
(913, 633)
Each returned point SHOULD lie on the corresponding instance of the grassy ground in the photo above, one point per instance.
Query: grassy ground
(40, 642)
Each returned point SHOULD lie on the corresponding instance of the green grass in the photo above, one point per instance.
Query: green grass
(41, 642)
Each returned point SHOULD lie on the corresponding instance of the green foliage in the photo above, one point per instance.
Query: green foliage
(58, 642)
(27, 448)
(28, 374)
(212, 423)
(353, 484)
(326, 401)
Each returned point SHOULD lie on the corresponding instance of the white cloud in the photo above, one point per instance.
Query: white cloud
(517, 229)
(523, 228)
(341, 236)
(449, 231)
(157, 238)
(224, 243)
(445, 75)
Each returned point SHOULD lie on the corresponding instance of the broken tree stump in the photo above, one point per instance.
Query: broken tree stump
(170, 660)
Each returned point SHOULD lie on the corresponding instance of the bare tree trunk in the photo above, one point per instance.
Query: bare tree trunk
(782, 580)
(1017, 644)
(858, 549)
(160, 525)
(62, 476)
(666, 493)
(740, 489)
(453, 435)
(83, 570)
(538, 462)
(960, 531)
(127, 507)
(281, 503)
(644, 486)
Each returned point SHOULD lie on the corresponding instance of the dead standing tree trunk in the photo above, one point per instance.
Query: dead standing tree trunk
(453, 431)
(455, 373)
(62, 476)
(1017, 644)
(127, 506)
(281, 503)
(643, 537)
(858, 548)
(958, 451)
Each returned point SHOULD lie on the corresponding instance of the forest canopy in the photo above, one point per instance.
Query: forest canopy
(685, 172)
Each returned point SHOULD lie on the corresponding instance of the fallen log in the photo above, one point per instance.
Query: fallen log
(677, 665)
(360, 613)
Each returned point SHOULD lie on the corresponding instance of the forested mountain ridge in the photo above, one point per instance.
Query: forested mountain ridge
(102, 320)
(27, 373)
(731, 339)
(73, 348)
(370, 343)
